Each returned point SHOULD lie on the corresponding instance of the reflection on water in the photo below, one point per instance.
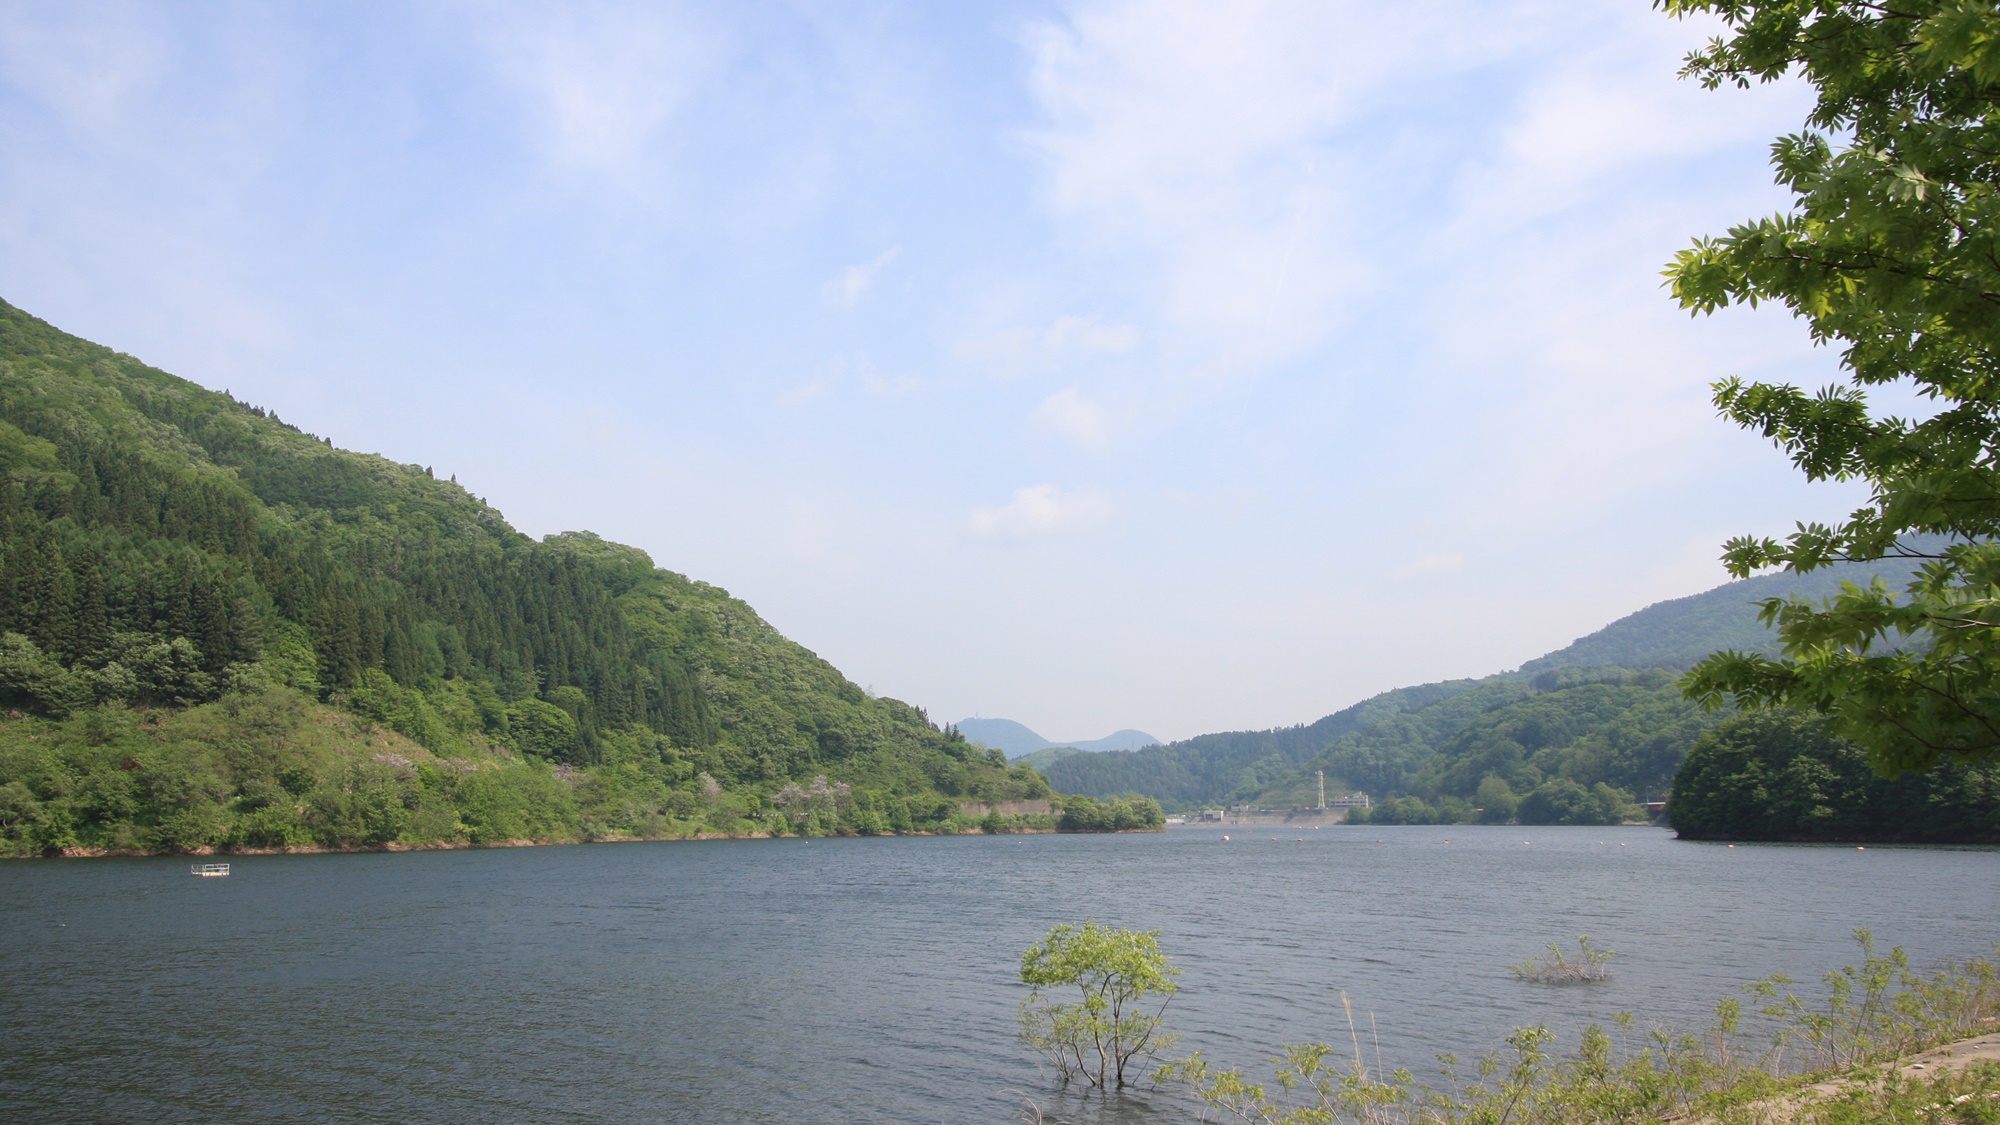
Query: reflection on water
(869, 979)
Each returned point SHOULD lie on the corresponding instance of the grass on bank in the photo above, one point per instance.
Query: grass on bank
(1751, 1065)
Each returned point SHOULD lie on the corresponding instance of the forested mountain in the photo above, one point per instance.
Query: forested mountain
(1674, 634)
(1601, 711)
(1588, 742)
(1211, 767)
(165, 547)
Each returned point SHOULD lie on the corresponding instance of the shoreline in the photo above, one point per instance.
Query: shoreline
(468, 845)
(1973, 840)
(1931, 1064)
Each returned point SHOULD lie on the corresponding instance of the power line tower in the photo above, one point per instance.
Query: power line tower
(1322, 789)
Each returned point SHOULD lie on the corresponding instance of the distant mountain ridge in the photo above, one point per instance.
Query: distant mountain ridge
(1678, 632)
(1016, 740)
(1603, 708)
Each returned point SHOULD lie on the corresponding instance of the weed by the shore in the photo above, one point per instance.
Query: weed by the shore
(1875, 1011)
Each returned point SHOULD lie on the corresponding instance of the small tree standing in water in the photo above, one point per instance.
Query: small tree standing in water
(1117, 973)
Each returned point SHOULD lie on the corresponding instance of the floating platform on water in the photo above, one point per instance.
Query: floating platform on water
(208, 870)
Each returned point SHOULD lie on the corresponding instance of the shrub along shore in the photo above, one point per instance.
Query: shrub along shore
(271, 771)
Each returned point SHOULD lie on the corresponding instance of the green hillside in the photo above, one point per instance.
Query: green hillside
(1674, 634)
(1577, 750)
(1213, 767)
(1605, 710)
(215, 628)
(1041, 760)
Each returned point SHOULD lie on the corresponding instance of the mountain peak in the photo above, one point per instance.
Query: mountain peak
(1015, 739)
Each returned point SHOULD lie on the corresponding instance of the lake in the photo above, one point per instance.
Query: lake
(871, 979)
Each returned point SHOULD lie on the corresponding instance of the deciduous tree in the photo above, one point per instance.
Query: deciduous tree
(1891, 252)
(1117, 974)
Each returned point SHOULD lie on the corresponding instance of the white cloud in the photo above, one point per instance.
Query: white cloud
(890, 388)
(1070, 415)
(1200, 140)
(855, 281)
(798, 396)
(859, 369)
(1084, 335)
(602, 79)
(1042, 511)
(1608, 111)
(1015, 351)
(1542, 279)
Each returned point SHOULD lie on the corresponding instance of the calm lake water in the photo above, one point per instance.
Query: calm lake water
(869, 979)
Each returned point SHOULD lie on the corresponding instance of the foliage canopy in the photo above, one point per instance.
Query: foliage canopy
(1777, 775)
(1891, 250)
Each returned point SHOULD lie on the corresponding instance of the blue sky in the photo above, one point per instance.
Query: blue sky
(1184, 366)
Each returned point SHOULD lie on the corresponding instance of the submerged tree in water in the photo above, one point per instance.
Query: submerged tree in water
(1117, 975)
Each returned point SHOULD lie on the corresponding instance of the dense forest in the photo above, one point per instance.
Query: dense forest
(1234, 765)
(1576, 749)
(1774, 775)
(218, 630)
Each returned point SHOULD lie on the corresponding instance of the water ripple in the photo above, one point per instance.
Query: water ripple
(869, 980)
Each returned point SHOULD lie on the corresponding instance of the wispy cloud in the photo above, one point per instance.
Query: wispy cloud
(895, 387)
(859, 370)
(1070, 415)
(800, 395)
(1200, 140)
(85, 65)
(1069, 337)
(601, 79)
(1083, 335)
(1597, 114)
(1042, 511)
(855, 281)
